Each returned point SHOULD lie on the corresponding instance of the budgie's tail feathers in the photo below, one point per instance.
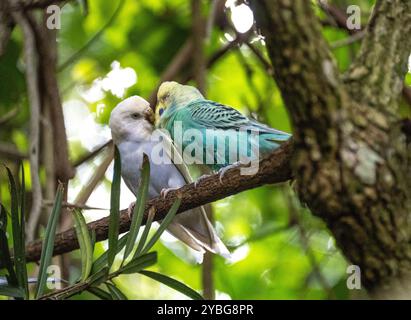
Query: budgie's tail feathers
(195, 229)
(271, 133)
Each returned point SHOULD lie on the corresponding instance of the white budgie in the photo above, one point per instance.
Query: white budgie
(132, 127)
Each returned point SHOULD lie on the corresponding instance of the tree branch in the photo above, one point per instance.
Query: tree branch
(9, 151)
(34, 4)
(47, 50)
(32, 81)
(273, 169)
(340, 17)
(376, 76)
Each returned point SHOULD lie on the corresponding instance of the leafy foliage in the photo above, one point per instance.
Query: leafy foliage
(16, 284)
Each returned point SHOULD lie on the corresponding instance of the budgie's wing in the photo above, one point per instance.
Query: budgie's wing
(211, 114)
(175, 156)
(193, 226)
(214, 115)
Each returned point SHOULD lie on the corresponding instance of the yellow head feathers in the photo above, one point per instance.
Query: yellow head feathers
(172, 93)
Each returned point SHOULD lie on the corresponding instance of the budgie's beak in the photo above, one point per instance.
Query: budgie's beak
(149, 116)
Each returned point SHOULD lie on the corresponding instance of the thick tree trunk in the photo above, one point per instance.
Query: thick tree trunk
(352, 156)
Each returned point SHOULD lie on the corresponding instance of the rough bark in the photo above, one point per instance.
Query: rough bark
(352, 159)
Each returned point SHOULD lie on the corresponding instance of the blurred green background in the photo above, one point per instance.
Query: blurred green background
(280, 251)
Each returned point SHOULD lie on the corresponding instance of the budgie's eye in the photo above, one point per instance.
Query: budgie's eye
(165, 97)
(135, 115)
(160, 111)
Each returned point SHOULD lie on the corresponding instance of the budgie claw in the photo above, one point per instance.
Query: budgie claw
(165, 191)
(130, 209)
(223, 170)
(199, 179)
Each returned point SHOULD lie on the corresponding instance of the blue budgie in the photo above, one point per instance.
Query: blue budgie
(132, 128)
(219, 135)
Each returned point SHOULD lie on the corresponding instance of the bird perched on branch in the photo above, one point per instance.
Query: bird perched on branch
(183, 109)
(132, 129)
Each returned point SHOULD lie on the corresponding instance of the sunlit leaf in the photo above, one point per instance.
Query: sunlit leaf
(101, 261)
(48, 243)
(163, 226)
(139, 207)
(172, 283)
(115, 292)
(85, 242)
(100, 293)
(98, 277)
(142, 241)
(114, 220)
(139, 263)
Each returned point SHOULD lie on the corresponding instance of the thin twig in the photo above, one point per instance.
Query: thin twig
(65, 204)
(31, 72)
(347, 41)
(89, 43)
(92, 154)
(9, 151)
(179, 61)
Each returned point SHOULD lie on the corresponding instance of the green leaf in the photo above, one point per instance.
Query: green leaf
(22, 229)
(86, 247)
(5, 259)
(98, 277)
(139, 263)
(100, 293)
(142, 241)
(116, 292)
(114, 219)
(164, 224)
(93, 238)
(101, 261)
(18, 236)
(11, 292)
(48, 243)
(139, 207)
(172, 283)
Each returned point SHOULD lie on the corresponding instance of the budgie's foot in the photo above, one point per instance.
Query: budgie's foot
(223, 170)
(199, 179)
(165, 191)
(130, 209)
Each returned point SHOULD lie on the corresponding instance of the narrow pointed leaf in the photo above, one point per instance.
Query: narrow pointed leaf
(11, 292)
(163, 226)
(84, 239)
(100, 293)
(139, 263)
(23, 229)
(114, 219)
(139, 207)
(93, 239)
(101, 261)
(5, 259)
(173, 283)
(142, 241)
(116, 292)
(48, 243)
(18, 245)
(98, 277)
